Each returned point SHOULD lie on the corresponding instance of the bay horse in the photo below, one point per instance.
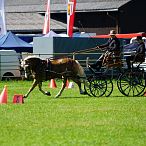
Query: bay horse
(62, 68)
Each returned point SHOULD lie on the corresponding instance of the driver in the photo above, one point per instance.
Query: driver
(112, 47)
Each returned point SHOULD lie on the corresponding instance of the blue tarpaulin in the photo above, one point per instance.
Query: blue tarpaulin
(12, 42)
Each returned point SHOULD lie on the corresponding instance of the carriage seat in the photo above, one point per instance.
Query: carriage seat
(113, 60)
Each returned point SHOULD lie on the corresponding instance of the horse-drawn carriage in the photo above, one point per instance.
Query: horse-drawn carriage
(129, 82)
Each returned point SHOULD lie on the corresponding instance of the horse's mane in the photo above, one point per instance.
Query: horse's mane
(32, 56)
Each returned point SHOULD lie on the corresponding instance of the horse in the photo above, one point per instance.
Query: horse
(61, 68)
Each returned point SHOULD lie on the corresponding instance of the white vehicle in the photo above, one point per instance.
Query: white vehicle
(9, 64)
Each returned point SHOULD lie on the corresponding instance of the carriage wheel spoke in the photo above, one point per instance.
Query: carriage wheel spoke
(98, 87)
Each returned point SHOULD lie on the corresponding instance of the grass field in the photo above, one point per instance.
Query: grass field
(72, 119)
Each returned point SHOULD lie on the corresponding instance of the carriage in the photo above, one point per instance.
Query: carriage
(129, 82)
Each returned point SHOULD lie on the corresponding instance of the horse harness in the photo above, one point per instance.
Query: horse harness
(48, 69)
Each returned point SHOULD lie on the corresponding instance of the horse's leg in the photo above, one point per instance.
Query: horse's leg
(79, 85)
(62, 88)
(40, 88)
(32, 87)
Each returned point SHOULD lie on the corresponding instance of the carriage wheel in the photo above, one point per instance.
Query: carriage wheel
(109, 88)
(132, 83)
(98, 86)
(119, 84)
(87, 86)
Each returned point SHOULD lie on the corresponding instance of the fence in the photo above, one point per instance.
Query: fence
(10, 64)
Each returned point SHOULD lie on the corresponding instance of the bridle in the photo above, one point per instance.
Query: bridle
(27, 69)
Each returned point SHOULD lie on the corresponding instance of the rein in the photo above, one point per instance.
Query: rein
(87, 50)
(76, 52)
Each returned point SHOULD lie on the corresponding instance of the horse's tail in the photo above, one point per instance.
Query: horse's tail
(80, 71)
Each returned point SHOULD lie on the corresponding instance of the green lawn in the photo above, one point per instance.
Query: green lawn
(72, 119)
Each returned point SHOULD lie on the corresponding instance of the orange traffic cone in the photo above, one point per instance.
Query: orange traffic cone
(52, 84)
(18, 98)
(67, 84)
(4, 95)
(144, 93)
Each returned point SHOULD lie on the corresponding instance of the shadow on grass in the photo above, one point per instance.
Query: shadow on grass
(83, 97)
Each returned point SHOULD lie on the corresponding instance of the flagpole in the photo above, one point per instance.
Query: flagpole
(46, 27)
(3, 29)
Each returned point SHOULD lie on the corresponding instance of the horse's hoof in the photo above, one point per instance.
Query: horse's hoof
(24, 96)
(57, 96)
(48, 93)
(83, 93)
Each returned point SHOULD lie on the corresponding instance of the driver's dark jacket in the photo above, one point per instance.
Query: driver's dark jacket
(112, 45)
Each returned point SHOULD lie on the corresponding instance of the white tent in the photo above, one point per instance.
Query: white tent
(63, 35)
(51, 34)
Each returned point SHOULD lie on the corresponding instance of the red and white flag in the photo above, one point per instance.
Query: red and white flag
(71, 6)
(46, 27)
(3, 30)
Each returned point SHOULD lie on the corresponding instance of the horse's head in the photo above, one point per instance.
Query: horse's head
(29, 65)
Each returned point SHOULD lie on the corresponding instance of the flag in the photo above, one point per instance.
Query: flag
(46, 27)
(71, 6)
(2, 18)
